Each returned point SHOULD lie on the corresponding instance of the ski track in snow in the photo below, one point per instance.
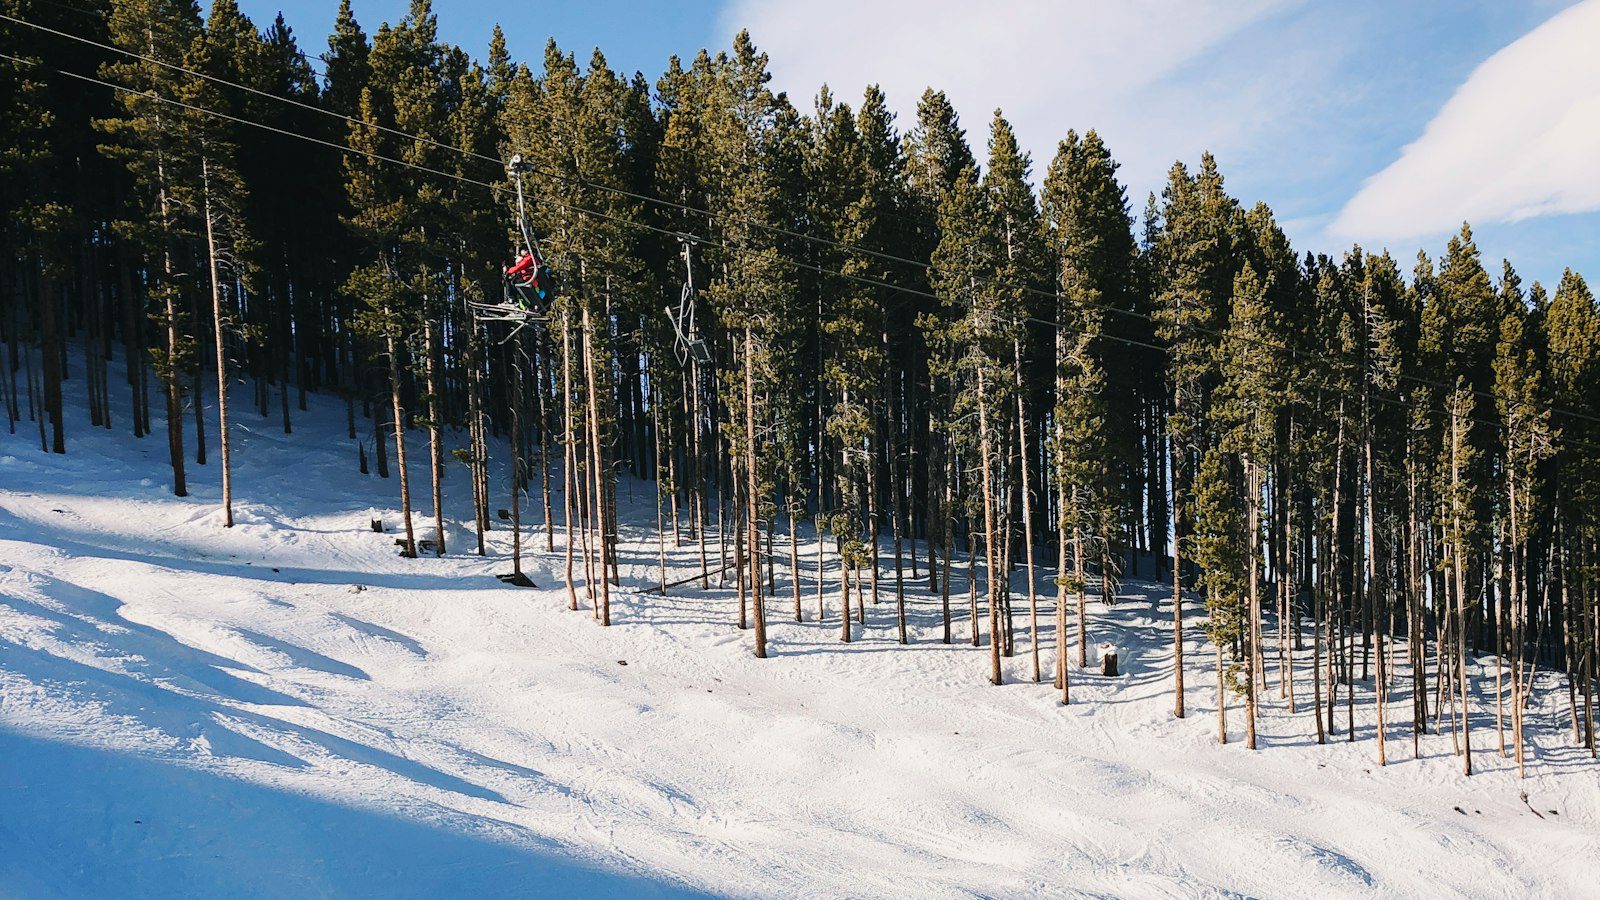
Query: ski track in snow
(188, 710)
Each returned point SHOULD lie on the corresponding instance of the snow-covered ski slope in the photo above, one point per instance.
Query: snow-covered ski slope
(289, 709)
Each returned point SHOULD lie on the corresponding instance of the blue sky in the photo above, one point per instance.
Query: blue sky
(1360, 121)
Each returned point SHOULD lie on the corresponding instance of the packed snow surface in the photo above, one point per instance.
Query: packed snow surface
(288, 708)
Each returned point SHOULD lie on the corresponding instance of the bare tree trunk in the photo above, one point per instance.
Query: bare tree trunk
(475, 424)
(569, 475)
(897, 510)
(1416, 637)
(392, 350)
(1319, 616)
(752, 512)
(1518, 610)
(698, 514)
(1459, 566)
(1027, 512)
(972, 582)
(198, 376)
(1375, 593)
(947, 529)
(794, 555)
(844, 599)
(1222, 699)
(430, 348)
(995, 675)
(1063, 667)
(174, 390)
(1253, 635)
(872, 513)
(222, 350)
(660, 485)
(1176, 453)
(597, 458)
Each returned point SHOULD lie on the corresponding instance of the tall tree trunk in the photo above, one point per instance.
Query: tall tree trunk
(174, 396)
(1177, 454)
(897, 509)
(392, 350)
(569, 476)
(752, 511)
(222, 354)
(995, 675)
(430, 350)
(1253, 569)
(597, 458)
(1026, 488)
(1375, 593)
(1458, 554)
(51, 351)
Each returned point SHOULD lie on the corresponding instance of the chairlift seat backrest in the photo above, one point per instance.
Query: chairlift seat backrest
(701, 351)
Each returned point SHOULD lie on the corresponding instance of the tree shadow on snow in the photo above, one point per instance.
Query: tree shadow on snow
(135, 673)
(183, 558)
(83, 821)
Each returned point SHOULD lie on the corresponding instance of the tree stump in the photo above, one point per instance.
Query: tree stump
(1108, 660)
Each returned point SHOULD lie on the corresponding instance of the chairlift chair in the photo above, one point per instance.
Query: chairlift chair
(688, 344)
(528, 286)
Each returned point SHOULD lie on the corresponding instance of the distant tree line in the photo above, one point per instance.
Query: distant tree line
(948, 372)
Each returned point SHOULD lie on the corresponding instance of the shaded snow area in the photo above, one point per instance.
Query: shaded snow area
(288, 708)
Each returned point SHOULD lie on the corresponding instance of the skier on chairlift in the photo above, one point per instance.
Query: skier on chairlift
(528, 277)
(532, 281)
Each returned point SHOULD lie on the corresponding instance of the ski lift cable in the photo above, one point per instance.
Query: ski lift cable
(497, 188)
(682, 207)
(778, 229)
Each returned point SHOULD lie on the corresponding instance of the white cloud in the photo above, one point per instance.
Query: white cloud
(1050, 64)
(1520, 138)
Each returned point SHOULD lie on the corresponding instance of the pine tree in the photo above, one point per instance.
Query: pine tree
(970, 350)
(1523, 405)
(30, 220)
(1021, 258)
(223, 204)
(1572, 324)
(1192, 263)
(1090, 236)
(146, 138)
(378, 213)
(1254, 377)
(936, 153)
